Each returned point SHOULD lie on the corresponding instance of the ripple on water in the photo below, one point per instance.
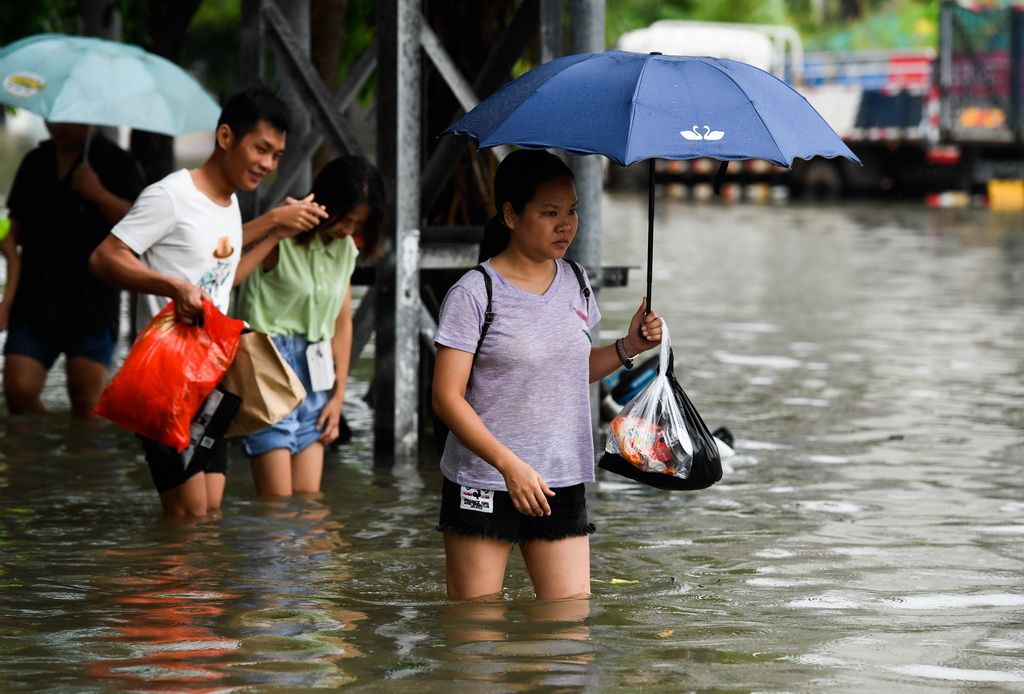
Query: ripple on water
(940, 601)
(828, 506)
(1002, 530)
(766, 362)
(830, 601)
(805, 402)
(952, 674)
(774, 553)
(826, 459)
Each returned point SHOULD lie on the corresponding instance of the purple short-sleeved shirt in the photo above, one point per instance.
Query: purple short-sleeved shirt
(530, 381)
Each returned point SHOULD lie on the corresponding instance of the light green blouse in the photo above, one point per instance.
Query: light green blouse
(303, 293)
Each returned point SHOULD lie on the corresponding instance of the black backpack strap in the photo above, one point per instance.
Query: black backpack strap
(488, 313)
(440, 428)
(584, 289)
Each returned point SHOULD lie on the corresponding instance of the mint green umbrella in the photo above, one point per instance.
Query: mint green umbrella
(80, 79)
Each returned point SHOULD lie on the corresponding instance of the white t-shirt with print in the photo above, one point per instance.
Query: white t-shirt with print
(178, 231)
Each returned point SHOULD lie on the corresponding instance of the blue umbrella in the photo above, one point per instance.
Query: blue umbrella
(635, 106)
(79, 79)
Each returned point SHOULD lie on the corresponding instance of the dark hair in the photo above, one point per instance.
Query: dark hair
(246, 107)
(516, 182)
(342, 185)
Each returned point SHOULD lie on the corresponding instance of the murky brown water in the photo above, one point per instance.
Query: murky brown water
(869, 537)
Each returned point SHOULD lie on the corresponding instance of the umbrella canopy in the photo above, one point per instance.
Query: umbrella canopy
(79, 79)
(635, 106)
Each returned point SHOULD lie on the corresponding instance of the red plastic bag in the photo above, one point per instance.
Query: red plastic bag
(168, 373)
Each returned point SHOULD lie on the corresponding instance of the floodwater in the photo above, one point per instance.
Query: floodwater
(869, 535)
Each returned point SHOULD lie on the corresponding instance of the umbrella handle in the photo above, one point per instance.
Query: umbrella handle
(88, 139)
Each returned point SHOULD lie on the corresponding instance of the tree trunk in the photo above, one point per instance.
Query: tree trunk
(849, 10)
(166, 25)
(326, 38)
(466, 200)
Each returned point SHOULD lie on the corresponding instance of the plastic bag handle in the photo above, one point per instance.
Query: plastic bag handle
(665, 362)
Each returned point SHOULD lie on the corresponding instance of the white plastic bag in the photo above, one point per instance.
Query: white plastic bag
(650, 431)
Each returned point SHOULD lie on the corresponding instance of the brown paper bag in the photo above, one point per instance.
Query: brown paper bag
(268, 387)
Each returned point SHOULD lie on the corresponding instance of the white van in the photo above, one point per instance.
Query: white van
(773, 48)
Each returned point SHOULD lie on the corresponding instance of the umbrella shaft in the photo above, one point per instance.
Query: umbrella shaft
(650, 231)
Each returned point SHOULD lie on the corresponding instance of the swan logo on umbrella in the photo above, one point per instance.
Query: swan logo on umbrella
(24, 84)
(709, 134)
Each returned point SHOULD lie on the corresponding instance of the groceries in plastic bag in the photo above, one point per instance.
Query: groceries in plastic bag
(168, 373)
(649, 446)
(659, 439)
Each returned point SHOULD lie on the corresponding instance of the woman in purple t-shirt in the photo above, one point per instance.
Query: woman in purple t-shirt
(515, 475)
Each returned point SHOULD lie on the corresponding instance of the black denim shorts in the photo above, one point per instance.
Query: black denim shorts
(167, 469)
(490, 513)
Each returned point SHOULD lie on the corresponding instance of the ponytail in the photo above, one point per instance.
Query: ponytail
(495, 239)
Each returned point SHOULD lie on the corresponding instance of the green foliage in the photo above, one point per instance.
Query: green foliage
(212, 45)
(21, 19)
(878, 24)
(749, 11)
(626, 15)
(211, 49)
(217, 12)
(892, 24)
(360, 31)
(133, 21)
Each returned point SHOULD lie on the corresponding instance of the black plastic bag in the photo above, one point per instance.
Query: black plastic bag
(659, 439)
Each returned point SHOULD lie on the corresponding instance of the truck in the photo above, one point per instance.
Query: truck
(923, 121)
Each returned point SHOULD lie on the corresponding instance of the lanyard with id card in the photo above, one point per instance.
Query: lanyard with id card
(320, 357)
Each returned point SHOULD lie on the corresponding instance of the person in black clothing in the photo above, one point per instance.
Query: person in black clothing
(65, 198)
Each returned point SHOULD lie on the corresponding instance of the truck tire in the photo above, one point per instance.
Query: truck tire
(821, 181)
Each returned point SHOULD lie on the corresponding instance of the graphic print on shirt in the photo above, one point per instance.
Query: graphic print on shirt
(583, 317)
(220, 273)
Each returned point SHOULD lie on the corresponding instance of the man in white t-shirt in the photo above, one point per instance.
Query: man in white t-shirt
(183, 241)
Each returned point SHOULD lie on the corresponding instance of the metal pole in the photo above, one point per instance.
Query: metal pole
(587, 36)
(399, 125)
(945, 72)
(551, 29)
(102, 19)
(250, 72)
(297, 14)
(1016, 119)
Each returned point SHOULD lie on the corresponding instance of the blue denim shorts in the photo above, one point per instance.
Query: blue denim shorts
(298, 430)
(45, 344)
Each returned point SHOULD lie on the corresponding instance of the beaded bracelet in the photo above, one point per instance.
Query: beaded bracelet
(620, 348)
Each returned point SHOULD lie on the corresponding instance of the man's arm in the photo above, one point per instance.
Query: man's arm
(260, 236)
(9, 249)
(86, 183)
(116, 264)
(295, 216)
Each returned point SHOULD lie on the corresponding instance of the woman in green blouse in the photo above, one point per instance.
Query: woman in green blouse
(302, 297)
